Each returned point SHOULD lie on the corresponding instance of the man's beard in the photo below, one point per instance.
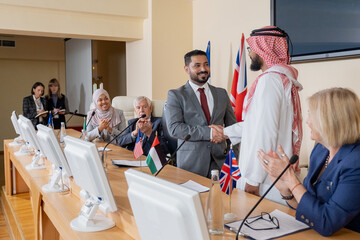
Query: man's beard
(256, 63)
(195, 77)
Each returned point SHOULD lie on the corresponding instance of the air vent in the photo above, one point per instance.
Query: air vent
(7, 43)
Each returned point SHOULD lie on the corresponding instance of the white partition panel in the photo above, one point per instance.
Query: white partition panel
(78, 74)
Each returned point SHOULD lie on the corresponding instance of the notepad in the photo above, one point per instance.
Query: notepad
(287, 225)
(195, 186)
(129, 163)
(38, 115)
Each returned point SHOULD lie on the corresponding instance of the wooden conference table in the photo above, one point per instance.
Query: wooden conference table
(51, 213)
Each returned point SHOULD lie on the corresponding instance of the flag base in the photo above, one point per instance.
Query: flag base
(229, 217)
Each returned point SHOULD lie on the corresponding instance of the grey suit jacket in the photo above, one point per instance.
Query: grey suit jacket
(184, 116)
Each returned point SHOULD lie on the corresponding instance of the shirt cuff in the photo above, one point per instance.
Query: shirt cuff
(252, 183)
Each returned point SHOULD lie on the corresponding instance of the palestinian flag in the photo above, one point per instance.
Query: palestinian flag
(156, 157)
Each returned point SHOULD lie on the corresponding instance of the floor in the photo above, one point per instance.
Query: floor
(4, 232)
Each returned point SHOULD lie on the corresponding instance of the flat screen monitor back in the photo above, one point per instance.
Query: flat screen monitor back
(52, 149)
(89, 174)
(165, 210)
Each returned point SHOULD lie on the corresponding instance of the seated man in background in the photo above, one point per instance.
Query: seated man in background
(147, 127)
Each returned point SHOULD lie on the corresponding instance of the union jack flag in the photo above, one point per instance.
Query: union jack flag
(239, 84)
(230, 167)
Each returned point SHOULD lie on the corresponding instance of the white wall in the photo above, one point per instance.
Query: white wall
(222, 22)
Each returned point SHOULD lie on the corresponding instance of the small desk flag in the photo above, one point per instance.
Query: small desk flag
(230, 167)
(156, 158)
(138, 151)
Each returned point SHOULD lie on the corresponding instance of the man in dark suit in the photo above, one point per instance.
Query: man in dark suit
(148, 127)
(192, 109)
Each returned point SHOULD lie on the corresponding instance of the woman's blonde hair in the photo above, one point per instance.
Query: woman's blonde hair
(53, 82)
(335, 114)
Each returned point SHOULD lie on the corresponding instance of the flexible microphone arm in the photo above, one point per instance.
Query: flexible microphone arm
(292, 160)
(72, 114)
(187, 137)
(131, 124)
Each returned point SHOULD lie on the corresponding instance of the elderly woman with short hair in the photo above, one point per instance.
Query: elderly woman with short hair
(329, 197)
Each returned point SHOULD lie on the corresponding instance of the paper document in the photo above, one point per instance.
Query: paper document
(100, 149)
(195, 186)
(129, 163)
(287, 225)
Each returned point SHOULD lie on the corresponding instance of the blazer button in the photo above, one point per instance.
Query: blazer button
(302, 217)
(307, 220)
(312, 224)
(327, 188)
(331, 183)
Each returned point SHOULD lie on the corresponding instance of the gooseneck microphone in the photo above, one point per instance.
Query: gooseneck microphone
(72, 114)
(92, 114)
(131, 124)
(292, 160)
(187, 137)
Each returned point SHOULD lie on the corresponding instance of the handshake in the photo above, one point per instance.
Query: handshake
(217, 134)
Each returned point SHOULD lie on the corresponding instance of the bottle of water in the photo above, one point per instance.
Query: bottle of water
(84, 135)
(62, 132)
(215, 212)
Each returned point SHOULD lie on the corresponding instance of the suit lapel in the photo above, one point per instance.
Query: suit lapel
(191, 95)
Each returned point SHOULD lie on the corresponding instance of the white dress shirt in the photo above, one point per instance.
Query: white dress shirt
(209, 96)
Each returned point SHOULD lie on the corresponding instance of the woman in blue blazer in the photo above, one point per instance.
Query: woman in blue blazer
(329, 197)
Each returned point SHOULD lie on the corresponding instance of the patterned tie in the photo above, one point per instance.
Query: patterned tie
(204, 104)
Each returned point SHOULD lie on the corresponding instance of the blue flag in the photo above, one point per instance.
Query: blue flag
(50, 120)
(208, 56)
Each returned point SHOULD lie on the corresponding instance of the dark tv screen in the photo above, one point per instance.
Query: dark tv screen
(319, 29)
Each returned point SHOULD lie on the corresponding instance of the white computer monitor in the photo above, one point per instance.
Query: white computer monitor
(165, 210)
(55, 155)
(29, 133)
(89, 174)
(18, 140)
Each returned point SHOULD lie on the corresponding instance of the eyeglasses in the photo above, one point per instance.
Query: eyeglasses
(248, 49)
(263, 222)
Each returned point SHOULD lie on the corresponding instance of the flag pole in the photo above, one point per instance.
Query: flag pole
(230, 216)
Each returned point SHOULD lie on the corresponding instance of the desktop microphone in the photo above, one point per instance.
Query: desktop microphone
(131, 124)
(292, 160)
(187, 137)
(72, 114)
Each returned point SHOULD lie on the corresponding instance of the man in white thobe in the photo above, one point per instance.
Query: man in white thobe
(272, 112)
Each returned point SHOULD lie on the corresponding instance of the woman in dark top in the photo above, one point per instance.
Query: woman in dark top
(35, 104)
(56, 103)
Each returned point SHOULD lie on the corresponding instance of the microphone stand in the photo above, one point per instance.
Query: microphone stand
(72, 114)
(187, 137)
(102, 157)
(292, 160)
